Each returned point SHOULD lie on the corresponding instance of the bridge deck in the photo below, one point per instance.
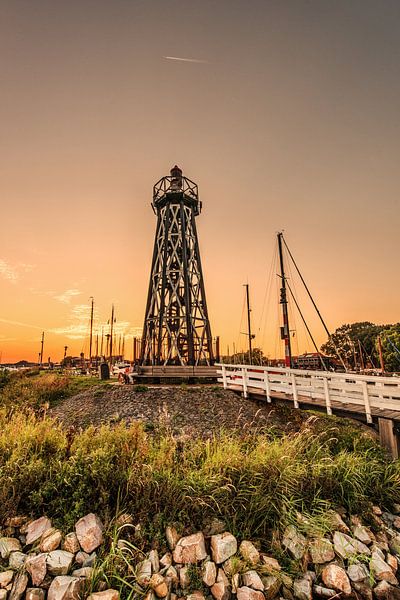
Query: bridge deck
(365, 395)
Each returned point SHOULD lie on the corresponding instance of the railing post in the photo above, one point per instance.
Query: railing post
(327, 396)
(366, 401)
(224, 377)
(267, 386)
(294, 391)
(244, 377)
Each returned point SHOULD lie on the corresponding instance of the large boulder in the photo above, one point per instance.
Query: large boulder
(346, 547)
(249, 552)
(190, 549)
(246, 593)
(36, 529)
(8, 545)
(65, 588)
(70, 543)
(381, 570)
(294, 542)
(59, 562)
(37, 568)
(321, 551)
(89, 531)
(50, 540)
(336, 578)
(19, 586)
(223, 546)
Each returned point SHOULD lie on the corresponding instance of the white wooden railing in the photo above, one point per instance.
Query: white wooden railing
(324, 387)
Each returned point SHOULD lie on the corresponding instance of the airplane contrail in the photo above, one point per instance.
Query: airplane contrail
(191, 60)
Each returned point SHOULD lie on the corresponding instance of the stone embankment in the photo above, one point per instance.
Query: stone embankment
(352, 561)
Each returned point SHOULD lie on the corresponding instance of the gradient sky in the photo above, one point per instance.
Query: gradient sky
(291, 122)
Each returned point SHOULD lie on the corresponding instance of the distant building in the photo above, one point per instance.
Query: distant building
(312, 361)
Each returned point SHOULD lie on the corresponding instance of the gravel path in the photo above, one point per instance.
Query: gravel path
(187, 410)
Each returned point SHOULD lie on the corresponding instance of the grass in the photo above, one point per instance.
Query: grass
(34, 390)
(253, 481)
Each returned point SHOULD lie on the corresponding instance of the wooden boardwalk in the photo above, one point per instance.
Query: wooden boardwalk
(369, 397)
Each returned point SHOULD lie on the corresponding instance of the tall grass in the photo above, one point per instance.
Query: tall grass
(255, 482)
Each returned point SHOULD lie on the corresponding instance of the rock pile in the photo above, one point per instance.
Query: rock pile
(355, 560)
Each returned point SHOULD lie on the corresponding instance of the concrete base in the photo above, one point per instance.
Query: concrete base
(388, 436)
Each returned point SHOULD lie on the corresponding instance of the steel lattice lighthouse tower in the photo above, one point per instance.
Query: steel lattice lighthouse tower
(176, 325)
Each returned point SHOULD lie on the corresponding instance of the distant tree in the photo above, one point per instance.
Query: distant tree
(391, 347)
(346, 338)
(243, 357)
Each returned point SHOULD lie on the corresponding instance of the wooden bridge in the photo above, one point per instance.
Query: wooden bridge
(375, 400)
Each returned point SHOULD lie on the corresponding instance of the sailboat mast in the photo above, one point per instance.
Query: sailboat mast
(249, 323)
(111, 333)
(285, 331)
(91, 333)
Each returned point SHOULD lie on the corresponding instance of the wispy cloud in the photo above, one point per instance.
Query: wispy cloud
(182, 59)
(8, 272)
(19, 324)
(66, 297)
(13, 272)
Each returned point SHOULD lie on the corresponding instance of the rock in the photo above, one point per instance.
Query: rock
(381, 569)
(381, 540)
(236, 583)
(271, 564)
(302, 588)
(143, 572)
(346, 547)
(246, 593)
(190, 549)
(37, 568)
(221, 589)
(17, 521)
(364, 589)
(19, 586)
(249, 552)
(394, 545)
(338, 523)
(396, 509)
(253, 580)
(90, 560)
(376, 510)
(209, 575)
(166, 560)
(89, 531)
(357, 572)
(17, 560)
(59, 562)
(197, 595)
(3, 594)
(159, 585)
(392, 562)
(34, 594)
(70, 543)
(81, 557)
(171, 575)
(172, 537)
(64, 588)
(321, 551)
(272, 585)
(213, 526)
(335, 577)
(6, 578)
(50, 540)
(323, 592)
(294, 542)
(184, 578)
(223, 546)
(385, 591)
(36, 529)
(155, 561)
(8, 545)
(104, 595)
(364, 535)
(84, 572)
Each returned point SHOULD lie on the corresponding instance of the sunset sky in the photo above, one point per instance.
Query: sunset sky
(288, 118)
